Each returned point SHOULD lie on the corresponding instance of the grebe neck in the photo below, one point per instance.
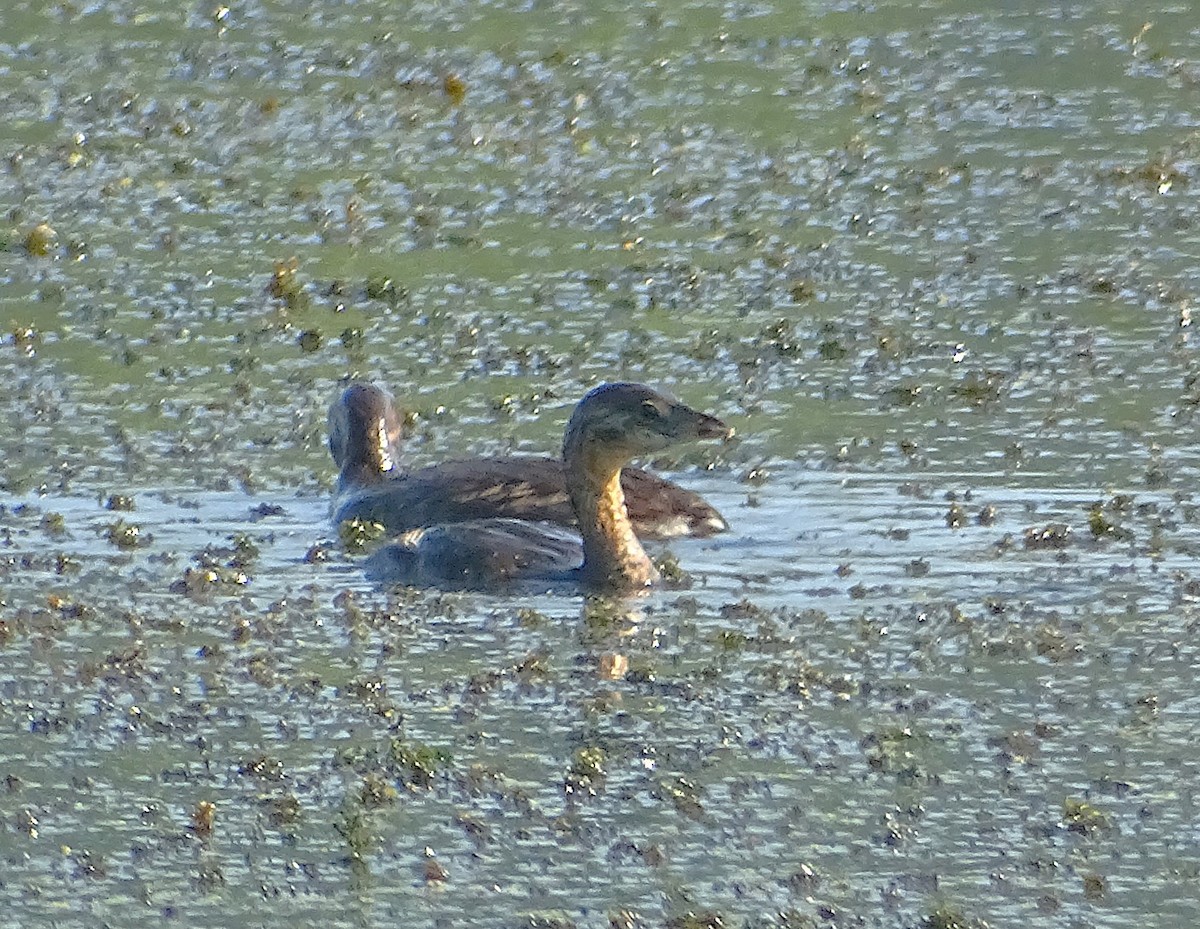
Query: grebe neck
(370, 454)
(613, 558)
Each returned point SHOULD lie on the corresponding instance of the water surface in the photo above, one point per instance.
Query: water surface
(934, 262)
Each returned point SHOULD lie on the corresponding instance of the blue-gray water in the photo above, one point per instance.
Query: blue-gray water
(935, 262)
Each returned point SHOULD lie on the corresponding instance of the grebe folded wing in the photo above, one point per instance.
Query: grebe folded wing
(364, 440)
(610, 425)
(479, 555)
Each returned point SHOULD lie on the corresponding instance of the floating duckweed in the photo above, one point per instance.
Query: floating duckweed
(203, 818)
(355, 829)
(26, 338)
(1094, 887)
(1051, 642)
(310, 340)
(683, 793)
(41, 240)
(372, 693)
(285, 284)
(455, 88)
(603, 616)
(53, 524)
(283, 811)
(625, 919)
(244, 364)
(918, 567)
(317, 553)
(1080, 816)
(432, 870)
(382, 288)
(1053, 536)
(802, 290)
(743, 609)
(530, 618)
(89, 864)
(242, 553)
(1157, 174)
(832, 350)
(210, 878)
(841, 686)
(705, 919)
(804, 879)
(730, 641)
(978, 390)
(890, 752)
(203, 581)
(945, 917)
(587, 767)
(904, 395)
(532, 667)
(1102, 527)
(756, 476)
(70, 609)
(781, 337)
(284, 278)
(245, 551)
(357, 535)
(418, 764)
(641, 673)
(672, 573)
(376, 791)
(264, 767)
(119, 502)
(266, 510)
(123, 535)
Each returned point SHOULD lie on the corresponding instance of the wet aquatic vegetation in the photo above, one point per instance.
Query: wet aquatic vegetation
(124, 535)
(1052, 536)
(1084, 818)
(204, 818)
(41, 240)
(948, 917)
(914, 255)
(219, 569)
(671, 571)
(894, 752)
(683, 793)
(121, 502)
(358, 535)
(585, 776)
(702, 919)
(286, 286)
(377, 791)
(417, 765)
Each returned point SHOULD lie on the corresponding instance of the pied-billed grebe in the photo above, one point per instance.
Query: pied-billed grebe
(612, 424)
(364, 435)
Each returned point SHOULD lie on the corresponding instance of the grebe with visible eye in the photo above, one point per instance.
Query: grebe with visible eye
(611, 425)
(364, 439)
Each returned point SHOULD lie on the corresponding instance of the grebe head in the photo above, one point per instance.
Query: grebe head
(364, 430)
(628, 420)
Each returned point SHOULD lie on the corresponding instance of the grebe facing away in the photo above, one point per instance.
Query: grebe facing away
(364, 437)
(612, 424)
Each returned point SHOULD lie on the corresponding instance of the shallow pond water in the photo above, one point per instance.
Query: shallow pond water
(936, 263)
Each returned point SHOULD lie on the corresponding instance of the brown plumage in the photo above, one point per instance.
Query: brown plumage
(612, 424)
(364, 436)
